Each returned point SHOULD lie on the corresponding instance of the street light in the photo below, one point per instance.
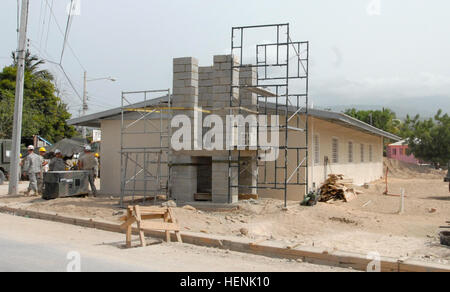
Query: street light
(85, 105)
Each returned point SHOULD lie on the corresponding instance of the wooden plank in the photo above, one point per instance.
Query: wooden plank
(172, 219)
(166, 220)
(153, 225)
(248, 197)
(152, 216)
(129, 222)
(129, 229)
(349, 196)
(202, 197)
(139, 224)
(154, 210)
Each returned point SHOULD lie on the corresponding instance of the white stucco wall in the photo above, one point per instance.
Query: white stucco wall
(360, 172)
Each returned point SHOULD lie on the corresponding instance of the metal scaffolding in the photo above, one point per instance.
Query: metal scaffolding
(282, 67)
(145, 161)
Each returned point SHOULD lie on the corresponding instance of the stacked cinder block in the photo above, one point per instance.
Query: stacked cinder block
(185, 82)
(248, 77)
(222, 91)
(185, 98)
(205, 87)
(221, 174)
(222, 82)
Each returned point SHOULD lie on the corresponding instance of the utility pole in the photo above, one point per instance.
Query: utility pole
(85, 105)
(18, 105)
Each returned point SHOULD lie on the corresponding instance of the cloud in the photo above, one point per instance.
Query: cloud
(371, 89)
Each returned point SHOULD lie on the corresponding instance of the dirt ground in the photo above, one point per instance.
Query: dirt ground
(370, 223)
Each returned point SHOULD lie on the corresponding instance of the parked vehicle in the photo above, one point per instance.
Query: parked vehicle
(5, 159)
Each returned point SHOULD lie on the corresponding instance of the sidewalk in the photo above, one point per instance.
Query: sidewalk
(23, 185)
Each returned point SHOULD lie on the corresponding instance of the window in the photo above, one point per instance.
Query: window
(370, 153)
(335, 150)
(316, 149)
(362, 152)
(350, 151)
(394, 151)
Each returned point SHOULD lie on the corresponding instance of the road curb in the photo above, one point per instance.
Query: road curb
(306, 254)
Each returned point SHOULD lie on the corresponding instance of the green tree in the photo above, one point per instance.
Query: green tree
(384, 119)
(429, 140)
(44, 113)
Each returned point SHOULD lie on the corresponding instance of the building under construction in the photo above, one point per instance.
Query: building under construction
(265, 76)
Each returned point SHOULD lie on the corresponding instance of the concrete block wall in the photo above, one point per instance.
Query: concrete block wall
(185, 83)
(185, 95)
(221, 172)
(205, 87)
(222, 83)
(248, 77)
(209, 87)
(184, 178)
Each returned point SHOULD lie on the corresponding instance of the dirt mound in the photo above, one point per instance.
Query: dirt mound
(400, 169)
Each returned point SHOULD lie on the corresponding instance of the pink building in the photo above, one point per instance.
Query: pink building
(398, 151)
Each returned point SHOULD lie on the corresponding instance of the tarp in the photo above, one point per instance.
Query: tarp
(69, 147)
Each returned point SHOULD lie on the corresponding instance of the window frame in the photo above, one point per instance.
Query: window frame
(333, 160)
(316, 148)
(362, 153)
(351, 155)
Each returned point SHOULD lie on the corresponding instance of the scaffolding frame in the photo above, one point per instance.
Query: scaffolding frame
(142, 160)
(280, 91)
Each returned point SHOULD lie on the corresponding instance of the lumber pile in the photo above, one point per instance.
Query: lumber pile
(337, 188)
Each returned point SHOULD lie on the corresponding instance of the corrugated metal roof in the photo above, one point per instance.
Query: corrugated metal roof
(93, 120)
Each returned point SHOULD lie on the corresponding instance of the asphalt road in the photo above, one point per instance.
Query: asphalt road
(16, 256)
(30, 245)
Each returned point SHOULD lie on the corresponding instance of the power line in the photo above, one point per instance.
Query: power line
(63, 34)
(43, 26)
(71, 83)
(66, 34)
(49, 22)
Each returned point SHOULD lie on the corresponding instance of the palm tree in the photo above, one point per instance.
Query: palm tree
(32, 63)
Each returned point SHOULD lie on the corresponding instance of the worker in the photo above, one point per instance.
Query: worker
(20, 166)
(57, 163)
(33, 167)
(88, 162)
(97, 168)
(43, 152)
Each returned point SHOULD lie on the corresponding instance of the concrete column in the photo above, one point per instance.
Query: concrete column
(185, 95)
(184, 178)
(220, 180)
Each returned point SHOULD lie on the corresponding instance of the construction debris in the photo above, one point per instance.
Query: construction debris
(337, 188)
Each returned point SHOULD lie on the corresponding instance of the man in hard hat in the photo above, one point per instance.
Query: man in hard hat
(33, 167)
(97, 169)
(42, 152)
(88, 162)
(57, 163)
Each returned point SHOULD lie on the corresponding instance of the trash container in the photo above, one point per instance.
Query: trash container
(60, 184)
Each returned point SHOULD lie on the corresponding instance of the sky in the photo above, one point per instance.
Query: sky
(363, 52)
